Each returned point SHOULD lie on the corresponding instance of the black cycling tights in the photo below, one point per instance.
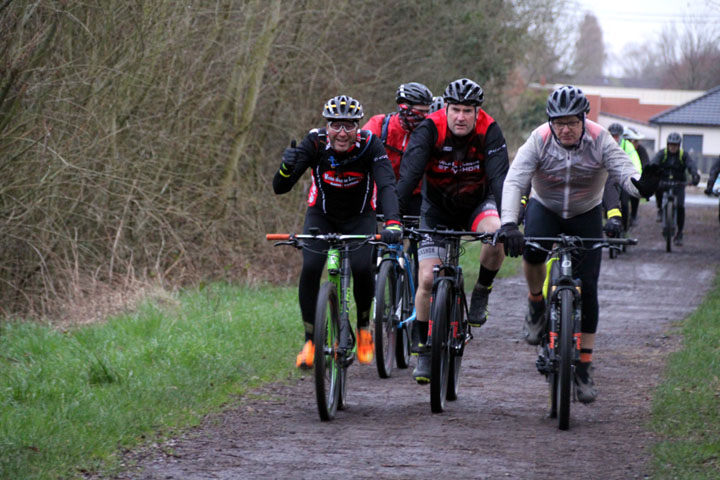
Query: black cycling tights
(541, 222)
(314, 264)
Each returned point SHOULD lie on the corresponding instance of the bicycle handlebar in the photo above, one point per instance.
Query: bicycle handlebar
(573, 242)
(328, 236)
(484, 237)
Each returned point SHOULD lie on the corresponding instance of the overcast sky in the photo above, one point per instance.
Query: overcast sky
(635, 21)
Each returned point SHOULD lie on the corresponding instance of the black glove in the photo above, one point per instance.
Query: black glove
(695, 178)
(613, 227)
(512, 238)
(708, 191)
(391, 233)
(289, 159)
(649, 180)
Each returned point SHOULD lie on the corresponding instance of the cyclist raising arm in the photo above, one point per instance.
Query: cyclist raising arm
(346, 164)
(567, 162)
(462, 154)
(673, 163)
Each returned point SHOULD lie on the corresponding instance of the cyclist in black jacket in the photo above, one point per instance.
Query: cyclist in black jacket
(673, 162)
(461, 152)
(349, 169)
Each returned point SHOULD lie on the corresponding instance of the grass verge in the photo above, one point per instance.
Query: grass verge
(71, 400)
(686, 406)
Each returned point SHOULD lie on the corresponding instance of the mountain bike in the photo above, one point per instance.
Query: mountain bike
(449, 330)
(394, 305)
(668, 210)
(334, 338)
(559, 348)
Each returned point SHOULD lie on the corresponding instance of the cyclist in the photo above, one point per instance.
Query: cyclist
(346, 162)
(616, 131)
(634, 137)
(566, 161)
(712, 176)
(461, 152)
(673, 162)
(394, 129)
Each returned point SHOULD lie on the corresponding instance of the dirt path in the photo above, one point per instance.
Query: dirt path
(498, 427)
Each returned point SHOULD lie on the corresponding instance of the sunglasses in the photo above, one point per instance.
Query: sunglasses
(347, 126)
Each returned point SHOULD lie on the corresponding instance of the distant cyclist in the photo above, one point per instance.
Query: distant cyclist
(346, 164)
(394, 129)
(712, 176)
(617, 131)
(634, 137)
(566, 161)
(461, 152)
(674, 162)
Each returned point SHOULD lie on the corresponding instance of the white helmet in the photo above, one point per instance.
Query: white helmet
(632, 134)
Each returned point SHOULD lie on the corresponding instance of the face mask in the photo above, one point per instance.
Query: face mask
(409, 117)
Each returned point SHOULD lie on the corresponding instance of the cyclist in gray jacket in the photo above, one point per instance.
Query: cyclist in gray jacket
(567, 162)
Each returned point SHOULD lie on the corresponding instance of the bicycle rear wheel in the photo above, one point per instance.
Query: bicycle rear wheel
(404, 310)
(384, 318)
(328, 363)
(565, 358)
(440, 341)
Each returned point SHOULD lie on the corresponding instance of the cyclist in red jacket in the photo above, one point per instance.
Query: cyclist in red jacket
(461, 152)
(394, 129)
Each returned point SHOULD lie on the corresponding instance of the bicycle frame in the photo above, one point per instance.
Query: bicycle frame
(668, 207)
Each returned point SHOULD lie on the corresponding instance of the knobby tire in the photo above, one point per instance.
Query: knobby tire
(565, 367)
(328, 368)
(384, 314)
(402, 334)
(458, 340)
(440, 340)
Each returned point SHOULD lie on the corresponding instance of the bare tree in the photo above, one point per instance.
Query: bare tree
(589, 49)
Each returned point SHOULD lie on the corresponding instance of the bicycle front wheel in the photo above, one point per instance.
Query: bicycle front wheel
(440, 341)
(328, 363)
(668, 225)
(565, 357)
(458, 329)
(404, 309)
(384, 318)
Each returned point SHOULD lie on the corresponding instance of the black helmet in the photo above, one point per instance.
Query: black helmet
(465, 92)
(565, 101)
(675, 138)
(343, 108)
(616, 129)
(414, 93)
(437, 104)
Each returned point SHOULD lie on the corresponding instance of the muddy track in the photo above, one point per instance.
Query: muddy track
(498, 427)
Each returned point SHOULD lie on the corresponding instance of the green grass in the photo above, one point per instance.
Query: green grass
(686, 406)
(470, 262)
(71, 400)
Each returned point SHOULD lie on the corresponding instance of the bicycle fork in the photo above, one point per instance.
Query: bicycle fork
(346, 346)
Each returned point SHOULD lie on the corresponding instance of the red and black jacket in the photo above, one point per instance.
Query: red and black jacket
(344, 184)
(459, 171)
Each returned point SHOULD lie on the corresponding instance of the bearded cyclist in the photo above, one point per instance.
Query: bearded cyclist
(461, 152)
(566, 161)
(346, 164)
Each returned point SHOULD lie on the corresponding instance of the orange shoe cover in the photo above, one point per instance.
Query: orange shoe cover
(305, 357)
(365, 346)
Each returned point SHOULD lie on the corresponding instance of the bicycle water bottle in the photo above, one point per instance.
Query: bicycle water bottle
(333, 261)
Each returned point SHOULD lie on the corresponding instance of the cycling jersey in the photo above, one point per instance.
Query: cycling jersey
(674, 165)
(568, 182)
(629, 148)
(344, 184)
(460, 172)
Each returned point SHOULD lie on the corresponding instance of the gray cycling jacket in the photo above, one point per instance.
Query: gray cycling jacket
(566, 181)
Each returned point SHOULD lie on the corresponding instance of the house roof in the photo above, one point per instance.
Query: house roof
(630, 108)
(704, 110)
